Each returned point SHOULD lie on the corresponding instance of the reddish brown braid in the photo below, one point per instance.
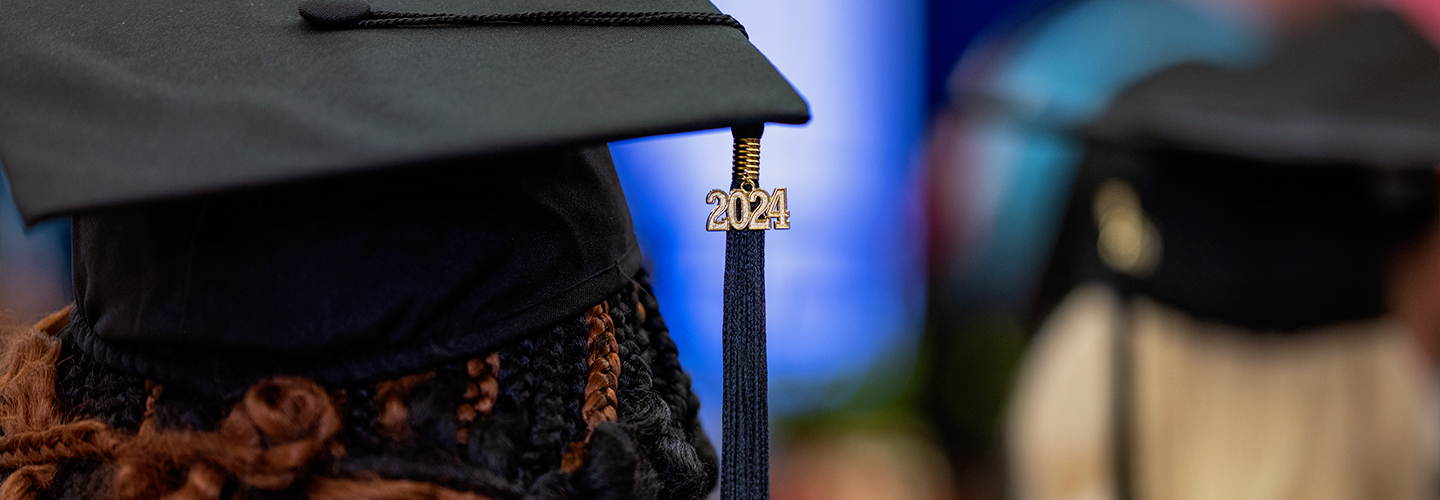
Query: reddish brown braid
(601, 401)
(268, 441)
(27, 390)
(153, 391)
(392, 399)
(481, 392)
(34, 440)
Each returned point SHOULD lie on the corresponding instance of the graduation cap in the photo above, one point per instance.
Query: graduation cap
(1269, 196)
(281, 184)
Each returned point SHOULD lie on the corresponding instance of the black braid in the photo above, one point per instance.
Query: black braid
(666, 365)
(655, 450)
(576, 359)
(80, 479)
(362, 434)
(635, 378)
(496, 442)
(88, 390)
(432, 411)
(673, 384)
(558, 390)
(654, 423)
(179, 409)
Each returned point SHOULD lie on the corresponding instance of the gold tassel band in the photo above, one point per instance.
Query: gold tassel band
(747, 162)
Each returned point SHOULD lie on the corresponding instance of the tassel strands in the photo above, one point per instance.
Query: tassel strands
(745, 466)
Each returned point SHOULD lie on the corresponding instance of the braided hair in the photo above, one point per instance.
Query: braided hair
(594, 407)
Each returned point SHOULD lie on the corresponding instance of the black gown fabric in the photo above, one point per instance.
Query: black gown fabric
(355, 281)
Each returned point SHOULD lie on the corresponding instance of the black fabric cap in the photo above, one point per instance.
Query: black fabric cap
(1278, 195)
(381, 275)
(1365, 90)
(111, 103)
(1273, 247)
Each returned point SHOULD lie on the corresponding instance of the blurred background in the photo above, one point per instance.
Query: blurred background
(927, 196)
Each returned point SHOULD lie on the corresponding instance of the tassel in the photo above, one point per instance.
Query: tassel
(745, 467)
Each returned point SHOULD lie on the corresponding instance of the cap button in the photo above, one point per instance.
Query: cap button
(334, 14)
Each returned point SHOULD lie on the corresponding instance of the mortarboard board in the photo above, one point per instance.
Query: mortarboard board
(345, 193)
(1360, 90)
(107, 104)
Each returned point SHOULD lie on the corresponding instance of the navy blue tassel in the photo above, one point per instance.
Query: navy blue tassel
(745, 466)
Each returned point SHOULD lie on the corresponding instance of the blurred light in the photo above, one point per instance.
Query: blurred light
(1006, 178)
(844, 285)
(34, 262)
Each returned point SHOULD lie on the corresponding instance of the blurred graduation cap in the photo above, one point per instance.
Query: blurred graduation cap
(1271, 197)
(289, 186)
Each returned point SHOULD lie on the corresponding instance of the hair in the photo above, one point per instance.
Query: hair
(594, 407)
(1220, 411)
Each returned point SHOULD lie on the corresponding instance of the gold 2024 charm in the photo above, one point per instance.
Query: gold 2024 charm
(738, 210)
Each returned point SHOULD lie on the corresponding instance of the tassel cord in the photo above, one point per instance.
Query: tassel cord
(745, 467)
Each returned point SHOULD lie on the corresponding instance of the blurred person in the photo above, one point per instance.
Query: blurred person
(1236, 284)
(1002, 155)
(1000, 159)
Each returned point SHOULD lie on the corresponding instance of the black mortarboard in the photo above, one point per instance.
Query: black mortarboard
(348, 191)
(105, 103)
(1270, 197)
(1362, 90)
